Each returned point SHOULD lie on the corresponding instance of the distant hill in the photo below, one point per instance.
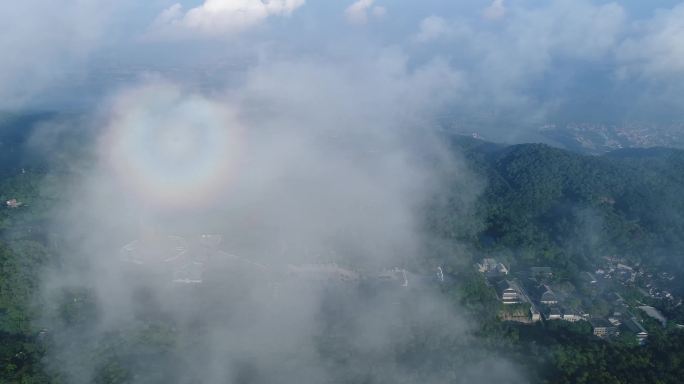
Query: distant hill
(556, 207)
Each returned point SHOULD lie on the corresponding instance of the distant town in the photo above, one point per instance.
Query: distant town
(599, 138)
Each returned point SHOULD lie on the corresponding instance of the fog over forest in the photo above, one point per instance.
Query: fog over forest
(286, 191)
(309, 206)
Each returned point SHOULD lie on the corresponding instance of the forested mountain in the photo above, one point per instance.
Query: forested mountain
(547, 206)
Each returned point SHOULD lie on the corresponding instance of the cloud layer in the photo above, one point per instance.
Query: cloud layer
(44, 43)
(327, 173)
(523, 63)
(221, 17)
(360, 11)
(495, 11)
(656, 51)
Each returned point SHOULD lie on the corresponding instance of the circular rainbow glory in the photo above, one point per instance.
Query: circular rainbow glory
(171, 149)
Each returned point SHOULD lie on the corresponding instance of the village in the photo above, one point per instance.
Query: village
(611, 298)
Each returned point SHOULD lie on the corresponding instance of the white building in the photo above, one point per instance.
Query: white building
(509, 292)
(491, 267)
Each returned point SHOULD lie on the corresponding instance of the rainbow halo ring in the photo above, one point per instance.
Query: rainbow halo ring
(171, 149)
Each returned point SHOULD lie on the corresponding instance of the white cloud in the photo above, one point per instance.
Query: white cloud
(574, 29)
(221, 17)
(43, 43)
(531, 39)
(432, 28)
(500, 64)
(379, 11)
(495, 11)
(268, 165)
(658, 50)
(357, 13)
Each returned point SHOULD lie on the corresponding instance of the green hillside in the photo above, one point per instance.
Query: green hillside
(553, 207)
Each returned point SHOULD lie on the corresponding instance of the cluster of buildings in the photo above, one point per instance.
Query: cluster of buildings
(550, 305)
(13, 203)
(492, 268)
(530, 288)
(606, 137)
(547, 301)
(613, 326)
(617, 270)
(654, 285)
(658, 286)
(508, 290)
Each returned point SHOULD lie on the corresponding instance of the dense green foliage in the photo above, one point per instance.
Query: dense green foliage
(23, 253)
(551, 207)
(570, 354)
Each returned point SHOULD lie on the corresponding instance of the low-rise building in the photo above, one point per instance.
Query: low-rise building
(509, 292)
(535, 315)
(572, 315)
(492, 268)
(603, 328)
(553, 313)
(548, 297)
(13, 203)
